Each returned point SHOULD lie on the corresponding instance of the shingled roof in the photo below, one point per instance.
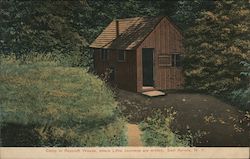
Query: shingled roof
(132, 31)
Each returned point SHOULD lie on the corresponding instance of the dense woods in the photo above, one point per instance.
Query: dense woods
(218, 50)
(68, 26)
(217, 44)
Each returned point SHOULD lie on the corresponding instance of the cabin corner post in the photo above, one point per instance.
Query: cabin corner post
(139, 68)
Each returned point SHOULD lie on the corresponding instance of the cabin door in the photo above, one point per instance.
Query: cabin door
(148, 66)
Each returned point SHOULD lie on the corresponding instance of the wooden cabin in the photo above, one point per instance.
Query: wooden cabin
(141, 54)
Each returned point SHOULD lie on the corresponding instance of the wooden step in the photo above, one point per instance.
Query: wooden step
(153, 93)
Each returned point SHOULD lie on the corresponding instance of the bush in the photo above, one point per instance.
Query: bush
(63, 106)
(157, 131)
(75, 59)
(241, 96)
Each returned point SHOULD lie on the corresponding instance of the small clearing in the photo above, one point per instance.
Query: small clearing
(211, 121)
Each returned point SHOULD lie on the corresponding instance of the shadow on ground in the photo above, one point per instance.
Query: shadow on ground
(18, 135)
(211, 121)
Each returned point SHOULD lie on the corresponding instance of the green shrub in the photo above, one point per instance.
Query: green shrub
(241, 96)
(64, 106)
(75, 59)
(157, 131)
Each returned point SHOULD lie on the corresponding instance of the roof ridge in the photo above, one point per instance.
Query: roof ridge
(138, 17)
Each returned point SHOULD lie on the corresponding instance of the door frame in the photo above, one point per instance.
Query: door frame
(153, 63)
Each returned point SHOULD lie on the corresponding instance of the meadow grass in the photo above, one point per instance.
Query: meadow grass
(62, 106)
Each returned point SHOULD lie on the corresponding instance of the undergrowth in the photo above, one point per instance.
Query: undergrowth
(157, 131)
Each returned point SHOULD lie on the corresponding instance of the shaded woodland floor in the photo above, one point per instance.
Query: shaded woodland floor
(210, 121)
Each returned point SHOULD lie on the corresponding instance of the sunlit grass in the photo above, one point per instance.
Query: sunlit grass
(67, 106)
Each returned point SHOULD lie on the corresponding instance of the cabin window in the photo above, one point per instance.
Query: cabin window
(121, 56)
(164, 60)
(104, 54)
(176, 60)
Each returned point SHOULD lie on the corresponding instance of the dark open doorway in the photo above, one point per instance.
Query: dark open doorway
(148, 66)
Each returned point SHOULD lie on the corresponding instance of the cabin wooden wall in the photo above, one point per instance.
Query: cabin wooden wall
(125, 72)
(165, 39)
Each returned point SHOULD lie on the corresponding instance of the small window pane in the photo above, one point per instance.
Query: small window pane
(176, 60)
(173, 60)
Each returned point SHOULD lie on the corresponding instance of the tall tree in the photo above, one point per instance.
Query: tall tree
(216, 45)
(187, 11)
(166, 7)
(40, 26)
(100, 13)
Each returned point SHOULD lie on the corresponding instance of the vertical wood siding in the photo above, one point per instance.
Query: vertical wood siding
(165, 39)
(125, 72)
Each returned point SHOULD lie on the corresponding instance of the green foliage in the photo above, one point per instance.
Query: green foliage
(67, 27)
(99, 13)
(44, 27)
(110, 134)
(241, 96)
(187, 11)
(216, 45)
(64, 106)
(157, 131)
(40, 26)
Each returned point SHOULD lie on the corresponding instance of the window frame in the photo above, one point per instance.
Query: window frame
(124, 56)
(174, 60)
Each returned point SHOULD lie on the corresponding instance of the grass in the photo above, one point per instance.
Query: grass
(157, 131)
(60, 106)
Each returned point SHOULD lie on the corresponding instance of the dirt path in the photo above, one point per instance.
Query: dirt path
(211, 121)
(134, 135)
